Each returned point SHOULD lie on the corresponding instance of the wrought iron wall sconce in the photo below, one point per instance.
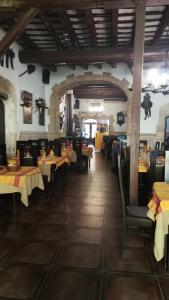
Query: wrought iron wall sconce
(120, 118)
(40, 104)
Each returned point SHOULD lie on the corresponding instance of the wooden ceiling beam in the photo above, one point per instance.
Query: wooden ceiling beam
(162, 25)
(46, 21)
(92, 28)
(77, 4)
(23, 37)
(114, 27)
(17, 29)
(92, 56)
(65, 19)
(98, 92)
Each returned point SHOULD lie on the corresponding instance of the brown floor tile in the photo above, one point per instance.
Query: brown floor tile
(92, 210)
(89, 221)
(29, 216)
(85, 235)
(34, 253)
(46, 232)
(18, 282)
(112, 222)
(164, 281)
(40, 206)
(69, 285)
(121, 287)
(79, 255)
(16, 230)
(56, 218)
(63, 207)
(132, 260)
(111, 237)
(94, 201)
(5, 247)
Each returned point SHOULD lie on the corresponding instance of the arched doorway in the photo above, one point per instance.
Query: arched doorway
(73, 81)
(2, 122)
(89, 130)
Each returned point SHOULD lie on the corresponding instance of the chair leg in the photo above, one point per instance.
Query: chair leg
(14, 210)
(123, 241)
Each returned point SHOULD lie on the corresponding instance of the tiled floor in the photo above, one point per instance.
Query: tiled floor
(68, 248)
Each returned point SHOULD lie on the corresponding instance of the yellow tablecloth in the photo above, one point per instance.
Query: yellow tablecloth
(142, 169)
(22, 181)
(46, 163)
(159, 212)
(70, 154)
(143, 166)
(87, 151)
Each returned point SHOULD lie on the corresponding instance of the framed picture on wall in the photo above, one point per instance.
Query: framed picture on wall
(157, 145)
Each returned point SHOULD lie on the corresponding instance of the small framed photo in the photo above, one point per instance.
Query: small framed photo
(157, 146)
(162, 146)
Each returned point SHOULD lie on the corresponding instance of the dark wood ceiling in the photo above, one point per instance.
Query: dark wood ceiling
(75, 33)
(106, 92)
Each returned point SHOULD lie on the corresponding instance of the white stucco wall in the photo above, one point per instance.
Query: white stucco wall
(149, 125)
(29, 82)
(110, 108)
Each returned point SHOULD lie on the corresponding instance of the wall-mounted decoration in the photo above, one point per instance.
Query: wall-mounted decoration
(77, 104)
(40, 107)
(120, 118)
(30, 69)
(7, 59)
(45, 76)
(146, 105)
(157, 145)
(61, 119)
(27, 107)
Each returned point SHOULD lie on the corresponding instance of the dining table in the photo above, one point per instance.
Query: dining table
(46, 163)
(158, 211)
(87, 151)
(22, 181)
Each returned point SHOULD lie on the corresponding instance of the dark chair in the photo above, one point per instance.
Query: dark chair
(56, 146)
(82, 161)
(43, 143)
(3, 157)
(135, 220)
(156, 172)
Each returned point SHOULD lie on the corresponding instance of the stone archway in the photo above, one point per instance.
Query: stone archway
(163, 112)
(8, 91)
(73, 81)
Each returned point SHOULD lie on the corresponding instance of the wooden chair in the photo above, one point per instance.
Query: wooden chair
(3, 157)
(135, 220)
(28, 155)
(82, 161)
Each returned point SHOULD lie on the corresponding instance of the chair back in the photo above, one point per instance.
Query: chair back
(43, 143)
(121, 185)
(56, 147)
(77, 147)
(3, 157)
(28, 154)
